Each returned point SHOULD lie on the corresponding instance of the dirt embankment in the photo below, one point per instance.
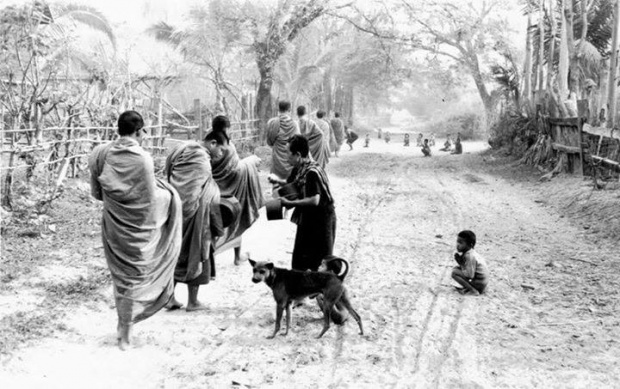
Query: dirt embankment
(548, 319)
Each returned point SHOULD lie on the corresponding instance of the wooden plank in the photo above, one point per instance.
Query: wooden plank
(573, 122)
(580, 137)
(566, 149)
(608, 162)
(601, 131)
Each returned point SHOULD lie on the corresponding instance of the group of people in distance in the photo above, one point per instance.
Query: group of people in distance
(157, 232)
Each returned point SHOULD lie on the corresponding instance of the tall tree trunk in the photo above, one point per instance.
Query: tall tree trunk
(541, 49)
(551, 59)
(613, 68)
(487, 99)
(603, 91)
(327, 91)
(527, 67)
(264, 100)
(563, 65)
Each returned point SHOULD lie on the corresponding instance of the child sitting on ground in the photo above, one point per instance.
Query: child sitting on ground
(426, 149)
(458, 147)
(472, 271)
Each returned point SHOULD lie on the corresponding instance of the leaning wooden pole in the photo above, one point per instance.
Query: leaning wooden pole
(613, 69)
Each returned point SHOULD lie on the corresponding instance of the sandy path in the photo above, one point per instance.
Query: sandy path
(398, 215)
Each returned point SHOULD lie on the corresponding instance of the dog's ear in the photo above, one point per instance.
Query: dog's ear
(253, 263)
(269, 266)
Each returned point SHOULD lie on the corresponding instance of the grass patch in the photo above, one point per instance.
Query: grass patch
(23, 326)
(79, 290)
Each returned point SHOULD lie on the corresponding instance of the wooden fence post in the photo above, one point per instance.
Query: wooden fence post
(198, 119)
(159, 142)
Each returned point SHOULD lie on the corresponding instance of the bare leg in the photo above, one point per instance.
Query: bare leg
(192, 299)
(173, 303)
(458, 276)
(123, 332)
(238, 259)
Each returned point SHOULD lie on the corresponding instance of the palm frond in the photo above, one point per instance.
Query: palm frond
(88, 16)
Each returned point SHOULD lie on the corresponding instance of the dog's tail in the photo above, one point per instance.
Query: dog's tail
(344, 272)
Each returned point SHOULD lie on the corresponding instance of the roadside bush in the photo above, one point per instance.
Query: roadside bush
(514, 133)
(468, 124)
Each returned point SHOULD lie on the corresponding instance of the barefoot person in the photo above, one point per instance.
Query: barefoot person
(317, 141)
(236, 178)
(426, 149)
(471, 273)
(338, 128)
(141, 225)
(328, 133)
(314, 213)
(188, 169)
(279, 130)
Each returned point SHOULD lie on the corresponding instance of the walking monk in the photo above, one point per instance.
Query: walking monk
(140, 227)
(316, 139)
(188, 169)
(239, 179)
(279, 130)
(328, 133)
(338, 128)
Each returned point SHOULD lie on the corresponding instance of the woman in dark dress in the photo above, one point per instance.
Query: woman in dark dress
(314, 213)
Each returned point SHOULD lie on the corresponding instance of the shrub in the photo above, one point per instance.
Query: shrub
(514, 132)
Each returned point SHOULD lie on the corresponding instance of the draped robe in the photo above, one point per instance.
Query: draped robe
(140, 227)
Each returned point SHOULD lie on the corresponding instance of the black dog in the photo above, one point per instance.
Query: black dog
(289, 285)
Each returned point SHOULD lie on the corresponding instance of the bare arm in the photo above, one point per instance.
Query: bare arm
(311, 201)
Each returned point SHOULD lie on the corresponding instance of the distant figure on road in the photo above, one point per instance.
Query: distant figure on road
(406, 140)
(319, 148)
(351, 137)
(387, 137)
(471, 273)
(279, 130)
(367, 140)
(447, 146)
(338, 129)
(419, 140)
(458, 147)
(426, 149)
(328, 133)
(380, 131)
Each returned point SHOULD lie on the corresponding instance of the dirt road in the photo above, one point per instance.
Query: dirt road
(398, 216)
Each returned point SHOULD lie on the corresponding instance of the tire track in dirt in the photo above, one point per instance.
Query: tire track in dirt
(362, 232)
(438, 328)
(421, 341)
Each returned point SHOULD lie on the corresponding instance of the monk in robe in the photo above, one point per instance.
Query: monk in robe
(279, 130)
(236, 178)
(328, 134)
(338, 128)
(141, 225)
(315, 214)
(316, 142)
(188, 169)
